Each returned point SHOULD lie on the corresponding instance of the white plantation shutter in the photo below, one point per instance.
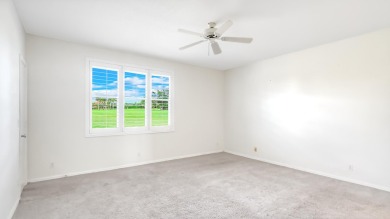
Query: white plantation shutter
(135, 98)
(160, 108)
(104, 98)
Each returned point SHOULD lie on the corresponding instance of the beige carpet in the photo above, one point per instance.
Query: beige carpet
(212, 186)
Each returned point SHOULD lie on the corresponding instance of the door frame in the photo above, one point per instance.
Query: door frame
(23, 122)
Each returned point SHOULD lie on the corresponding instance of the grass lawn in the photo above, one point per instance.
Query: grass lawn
(133, 118)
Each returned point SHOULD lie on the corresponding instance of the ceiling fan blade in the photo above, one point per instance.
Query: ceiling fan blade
(237, 39)
(216, 48)
(224, 27)
(190, 32)
(192, 44)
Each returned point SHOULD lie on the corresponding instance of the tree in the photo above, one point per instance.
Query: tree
(111, 103)
(100, 101)
(104, 103)
(162, 96)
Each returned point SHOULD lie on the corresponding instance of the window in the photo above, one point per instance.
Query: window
(128, 100)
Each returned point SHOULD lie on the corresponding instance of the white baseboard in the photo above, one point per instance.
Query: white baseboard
(384, 188)
(13, 209)
(119, 167)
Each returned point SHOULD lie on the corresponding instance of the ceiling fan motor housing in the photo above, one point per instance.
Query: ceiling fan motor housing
(210, 33)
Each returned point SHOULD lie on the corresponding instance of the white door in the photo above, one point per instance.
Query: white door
(23, 122)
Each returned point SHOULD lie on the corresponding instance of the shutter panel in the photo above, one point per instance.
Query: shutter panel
(134, 99)
(160, 100)
(104, 98)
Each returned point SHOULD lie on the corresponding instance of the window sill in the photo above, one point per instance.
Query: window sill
(138, 132)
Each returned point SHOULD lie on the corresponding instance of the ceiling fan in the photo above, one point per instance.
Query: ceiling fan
(212, 34)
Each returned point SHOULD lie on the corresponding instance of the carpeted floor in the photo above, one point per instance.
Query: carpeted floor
(211, 186)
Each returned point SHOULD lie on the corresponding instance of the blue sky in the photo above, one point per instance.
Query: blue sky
(105, 83)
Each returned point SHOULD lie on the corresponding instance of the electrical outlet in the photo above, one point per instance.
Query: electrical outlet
(51, 164)
(255, 149)
(350, 167)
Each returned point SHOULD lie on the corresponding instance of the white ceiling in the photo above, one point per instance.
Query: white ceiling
(149, 27)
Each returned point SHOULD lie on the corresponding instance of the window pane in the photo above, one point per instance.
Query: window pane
(134, 112)
(104, 98)
(135, 91)
(159, 113)
(104, 112)
(160, 87)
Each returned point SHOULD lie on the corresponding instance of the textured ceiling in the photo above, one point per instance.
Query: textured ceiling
(149, 27)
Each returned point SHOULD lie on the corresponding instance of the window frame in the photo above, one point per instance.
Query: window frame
(121, 129)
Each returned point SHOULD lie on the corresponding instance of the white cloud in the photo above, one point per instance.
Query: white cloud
(94, 86)
(103, 93)
(115, 83)
(160, 87)
(131, 93)
(135, 81)
(160, 80)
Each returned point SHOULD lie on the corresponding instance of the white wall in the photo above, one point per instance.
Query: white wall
(320, 109)
(11, 45)
(57, 112)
